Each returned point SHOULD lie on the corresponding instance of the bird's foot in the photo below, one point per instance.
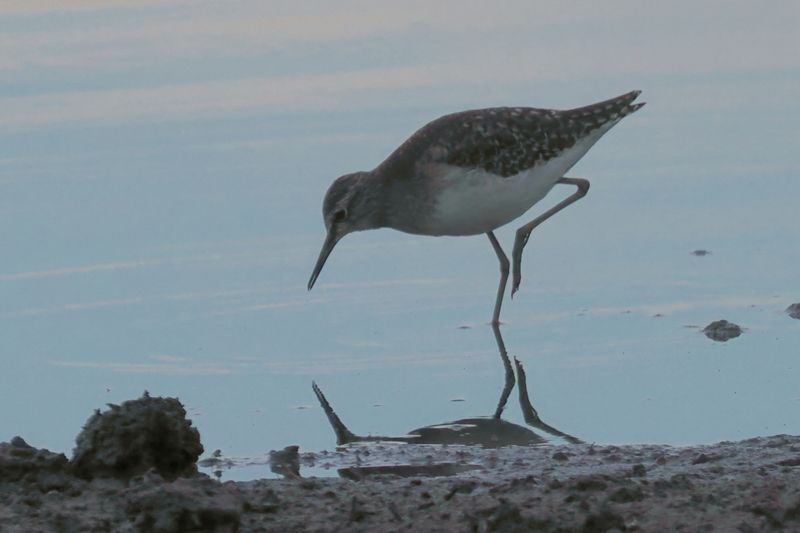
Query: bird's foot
(516, 269)
(520, 240)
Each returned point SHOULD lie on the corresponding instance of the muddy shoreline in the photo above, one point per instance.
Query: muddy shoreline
(750, 485)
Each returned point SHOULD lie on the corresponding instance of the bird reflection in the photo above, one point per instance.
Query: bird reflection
(487, 431)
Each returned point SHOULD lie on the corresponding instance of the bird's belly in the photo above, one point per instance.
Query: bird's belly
(476, 201)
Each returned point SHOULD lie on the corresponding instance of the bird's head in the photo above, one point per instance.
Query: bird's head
(350, 204)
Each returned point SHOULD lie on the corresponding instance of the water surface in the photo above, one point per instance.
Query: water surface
(162, 169)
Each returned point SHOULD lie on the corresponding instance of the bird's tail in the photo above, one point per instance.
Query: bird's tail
(611, 110)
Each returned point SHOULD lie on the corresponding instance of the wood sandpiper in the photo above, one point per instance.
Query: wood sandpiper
(472, 172)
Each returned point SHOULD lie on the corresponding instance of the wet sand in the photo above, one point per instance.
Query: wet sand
(750, 485)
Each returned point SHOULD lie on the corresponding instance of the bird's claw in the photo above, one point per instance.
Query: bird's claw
(516, 255)
(516, 274)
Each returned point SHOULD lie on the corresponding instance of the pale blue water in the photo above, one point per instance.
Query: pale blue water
(162, 240)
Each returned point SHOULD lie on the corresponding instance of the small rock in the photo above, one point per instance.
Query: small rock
(794, 310)
(627, 494)
(286, 462)
(462, 487)
(701, 253)
(705, 458)
(19, 442)
(722, 330)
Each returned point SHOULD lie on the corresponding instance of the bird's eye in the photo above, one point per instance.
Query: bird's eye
(340, 215)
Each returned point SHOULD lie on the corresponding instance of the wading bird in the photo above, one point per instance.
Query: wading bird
(469, 173)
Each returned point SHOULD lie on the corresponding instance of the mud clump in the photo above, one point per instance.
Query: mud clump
(133, 469)
(21, 462)
(722, 330)
(794, 310)
(136, 436)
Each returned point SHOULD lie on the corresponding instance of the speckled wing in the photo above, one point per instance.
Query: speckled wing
(504, 140)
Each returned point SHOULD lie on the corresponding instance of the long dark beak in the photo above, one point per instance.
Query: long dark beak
(327, 248)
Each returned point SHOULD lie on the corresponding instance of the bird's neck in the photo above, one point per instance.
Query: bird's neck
(397, 198)
(375, 201)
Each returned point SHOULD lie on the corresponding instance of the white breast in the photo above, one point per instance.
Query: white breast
(475, 201)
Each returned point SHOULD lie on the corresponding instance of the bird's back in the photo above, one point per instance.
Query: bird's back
(503, 141)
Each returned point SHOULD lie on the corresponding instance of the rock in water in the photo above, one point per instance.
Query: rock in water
(722, 330)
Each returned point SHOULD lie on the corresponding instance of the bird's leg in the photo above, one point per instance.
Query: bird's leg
(501, 256)
(524, 232)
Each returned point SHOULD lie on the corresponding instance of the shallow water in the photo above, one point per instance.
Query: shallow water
(171, 252)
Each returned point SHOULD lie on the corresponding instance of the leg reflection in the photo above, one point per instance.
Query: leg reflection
(509, 384)
(528, 412)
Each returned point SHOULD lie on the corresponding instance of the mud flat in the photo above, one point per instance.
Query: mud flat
(750, 485)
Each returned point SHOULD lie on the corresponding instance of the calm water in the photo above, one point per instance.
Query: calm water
(160, 215)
